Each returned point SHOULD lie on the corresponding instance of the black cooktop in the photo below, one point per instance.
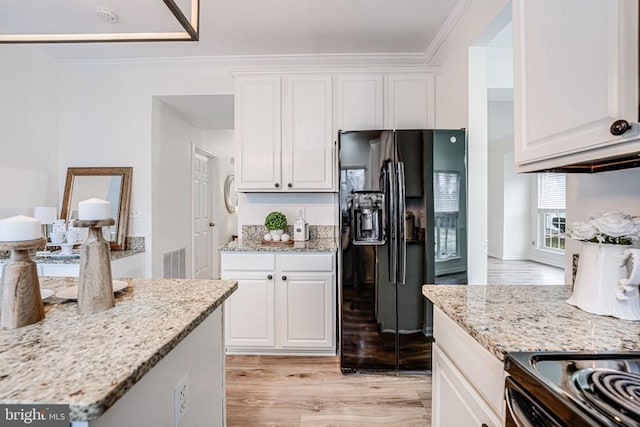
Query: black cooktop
(582, 389)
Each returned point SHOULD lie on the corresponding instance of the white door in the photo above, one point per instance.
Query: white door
(575, 73)
(307, 132)
(202, 220)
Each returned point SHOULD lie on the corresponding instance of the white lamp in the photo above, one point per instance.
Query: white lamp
(47, 216)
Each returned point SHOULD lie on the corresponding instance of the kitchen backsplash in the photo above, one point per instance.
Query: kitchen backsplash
(255, 232)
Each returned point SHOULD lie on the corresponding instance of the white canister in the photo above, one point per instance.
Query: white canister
(597, 286)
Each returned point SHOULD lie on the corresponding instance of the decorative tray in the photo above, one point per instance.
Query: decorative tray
(279, 243)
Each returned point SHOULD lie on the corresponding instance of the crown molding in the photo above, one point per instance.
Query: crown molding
(266, 62)
(446, 28)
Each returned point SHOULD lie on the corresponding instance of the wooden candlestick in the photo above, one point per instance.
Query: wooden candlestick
(21, 299)
(95, 288)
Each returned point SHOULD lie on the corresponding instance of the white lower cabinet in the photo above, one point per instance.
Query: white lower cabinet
(285, 303)
(468, 381)
(454, 400)
(131, 266)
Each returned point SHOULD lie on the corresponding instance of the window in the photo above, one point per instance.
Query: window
(551, 211)
(350, 180)
(446, 203)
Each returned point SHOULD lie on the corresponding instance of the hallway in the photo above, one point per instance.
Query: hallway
(522, 272)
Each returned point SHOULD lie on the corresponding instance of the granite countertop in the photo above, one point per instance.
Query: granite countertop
(253, 245)
(506, 319)
(90, 361)
(55, 258)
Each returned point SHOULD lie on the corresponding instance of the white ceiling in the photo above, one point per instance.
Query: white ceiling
(203, 111)
(242, 27)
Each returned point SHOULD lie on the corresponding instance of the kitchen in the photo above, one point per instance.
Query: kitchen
(115, 96)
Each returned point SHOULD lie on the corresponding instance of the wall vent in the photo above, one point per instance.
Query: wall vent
(173, 264)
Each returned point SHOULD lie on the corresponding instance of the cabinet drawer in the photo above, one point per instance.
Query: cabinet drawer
(248, 262)
(306, 262)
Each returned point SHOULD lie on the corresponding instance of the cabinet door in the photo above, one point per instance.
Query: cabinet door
(131, 266)
(250, 310)
(575, 73)
(61, 270)
(306, 304)
(454, 401)
(410, 101)
(257, 133)
(358, 102)
(307, 140)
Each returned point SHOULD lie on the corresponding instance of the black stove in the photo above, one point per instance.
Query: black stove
(573, 389)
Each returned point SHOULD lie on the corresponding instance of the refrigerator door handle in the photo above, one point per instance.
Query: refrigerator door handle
(402, 238)
(392, 220)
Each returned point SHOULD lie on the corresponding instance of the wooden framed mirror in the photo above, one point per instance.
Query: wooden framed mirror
(112, 184)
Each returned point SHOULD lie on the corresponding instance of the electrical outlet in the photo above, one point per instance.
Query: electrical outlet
(180, 400)
(300, 213)
(134, 214)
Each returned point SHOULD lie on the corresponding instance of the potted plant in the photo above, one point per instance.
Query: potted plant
(276, 223)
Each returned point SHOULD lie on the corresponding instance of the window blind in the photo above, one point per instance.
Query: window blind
(551, 191)
(446, 189)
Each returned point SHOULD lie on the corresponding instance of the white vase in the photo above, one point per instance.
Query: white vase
(597, 286)
(276, 232)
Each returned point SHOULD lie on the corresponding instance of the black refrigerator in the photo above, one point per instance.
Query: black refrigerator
(403, 216)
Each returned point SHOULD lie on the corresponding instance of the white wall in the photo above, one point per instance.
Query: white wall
(106, 118)
(508, 192)
(172, 146)
(588, 195)
(28, 131)
(171, 185)
(481, 22)
(320, 208)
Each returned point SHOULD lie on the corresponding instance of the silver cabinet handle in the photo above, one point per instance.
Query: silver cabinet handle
(402, 240)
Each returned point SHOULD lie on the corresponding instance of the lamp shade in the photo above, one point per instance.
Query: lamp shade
(46, 214)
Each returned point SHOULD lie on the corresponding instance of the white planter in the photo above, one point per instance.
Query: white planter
(597, 287)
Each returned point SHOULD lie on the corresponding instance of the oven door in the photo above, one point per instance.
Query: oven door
(523, 410)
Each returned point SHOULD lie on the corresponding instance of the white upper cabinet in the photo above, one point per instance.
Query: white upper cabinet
(307, 132)
(358, 102)
(575, 73)
(257, 132)
(410, 101)
(284, 130)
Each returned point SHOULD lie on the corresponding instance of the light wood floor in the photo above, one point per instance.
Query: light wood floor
(520, 272)
(311, 392)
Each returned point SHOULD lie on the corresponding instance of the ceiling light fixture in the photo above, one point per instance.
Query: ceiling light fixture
(151, 23)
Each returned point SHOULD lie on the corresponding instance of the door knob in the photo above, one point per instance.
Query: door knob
(619, 127)
(269, 277)
(211, 224)
(277, 185)
(289, 185)
(284, 277)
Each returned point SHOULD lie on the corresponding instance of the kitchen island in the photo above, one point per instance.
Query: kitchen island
(475, 326)
(120, 367)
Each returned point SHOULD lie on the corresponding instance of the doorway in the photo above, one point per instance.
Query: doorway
(204, 196)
